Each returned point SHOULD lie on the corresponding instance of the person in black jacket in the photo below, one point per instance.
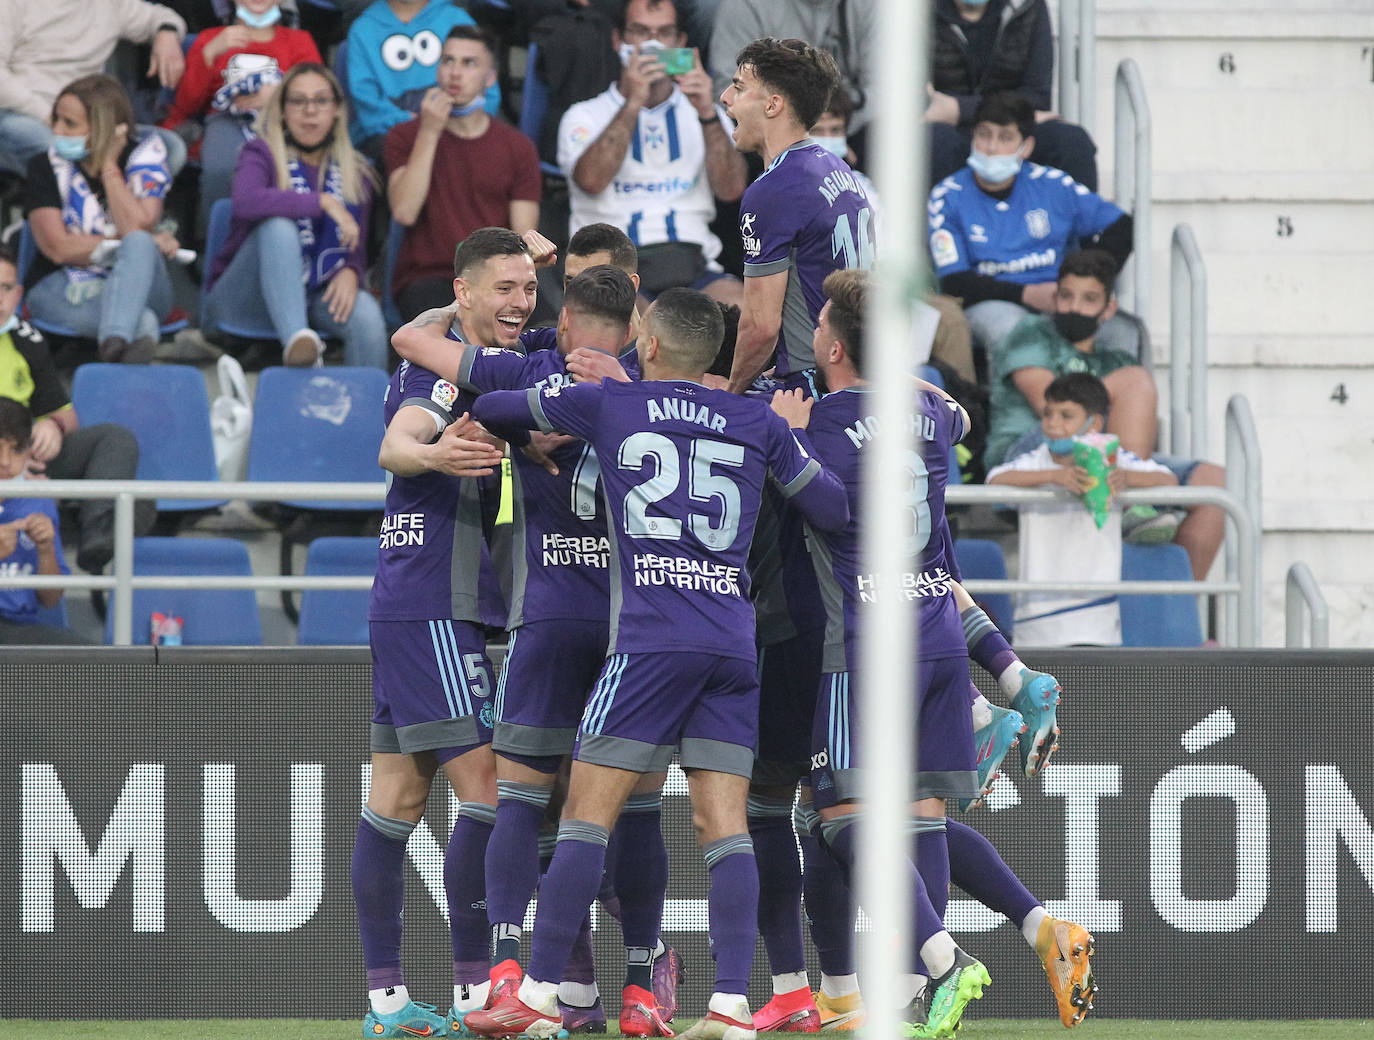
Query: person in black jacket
(981, 46)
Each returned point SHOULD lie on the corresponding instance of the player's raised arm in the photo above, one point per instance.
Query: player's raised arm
(461, 448)
(569, 409)
(424, 341)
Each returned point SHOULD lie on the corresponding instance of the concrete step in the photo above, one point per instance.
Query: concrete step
(1343, 565)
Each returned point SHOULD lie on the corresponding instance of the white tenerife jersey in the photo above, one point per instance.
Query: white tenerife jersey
(660, 193)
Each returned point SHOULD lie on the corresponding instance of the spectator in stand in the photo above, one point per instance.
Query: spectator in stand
(94, 202)
(1000, 227)
(989, 45)
(844, 28)
(29, 542)
(295, 254)
(453, 170)
(59, 446)
(1043, 347)
(635, 156)
(231, 71)
(45, 46)
(392, 50)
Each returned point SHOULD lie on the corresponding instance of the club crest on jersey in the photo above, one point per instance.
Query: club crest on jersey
(1038, 223)
(444, 393)
(977, 233)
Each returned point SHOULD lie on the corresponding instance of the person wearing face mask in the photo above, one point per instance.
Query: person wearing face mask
(1044, 347)
(985, 45)
(1000, 227)
(1061, 540)
(231, 71)
(296, 249)
(651, 154)
(93, 203)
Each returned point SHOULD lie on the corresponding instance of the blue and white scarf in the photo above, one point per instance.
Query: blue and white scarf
(324, 256)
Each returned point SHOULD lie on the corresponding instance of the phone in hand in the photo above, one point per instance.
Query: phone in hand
(677, 60)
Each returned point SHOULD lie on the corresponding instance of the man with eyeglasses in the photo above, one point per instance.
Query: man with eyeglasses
(635, 156)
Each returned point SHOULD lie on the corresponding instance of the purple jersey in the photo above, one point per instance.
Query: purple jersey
(431, 540)
(840, 428)
(807, 215)
(559, 520)
(683, 469)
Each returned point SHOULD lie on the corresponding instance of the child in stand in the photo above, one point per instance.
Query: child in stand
(1062, 541)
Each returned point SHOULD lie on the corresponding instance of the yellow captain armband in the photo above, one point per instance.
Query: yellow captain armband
(506, 513)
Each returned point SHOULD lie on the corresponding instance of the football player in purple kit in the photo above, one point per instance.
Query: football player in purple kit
(432, 688)
(560, 611)
(805, 216)
(840, 427)
(683, 469)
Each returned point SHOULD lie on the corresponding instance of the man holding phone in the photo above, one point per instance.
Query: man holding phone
(635, 155)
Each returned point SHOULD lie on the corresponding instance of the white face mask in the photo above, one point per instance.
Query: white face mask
(836, 146)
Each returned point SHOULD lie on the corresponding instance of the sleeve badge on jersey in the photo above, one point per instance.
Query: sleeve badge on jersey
(1038, 223)
(942, 248)
(580, 134)
(444, 394)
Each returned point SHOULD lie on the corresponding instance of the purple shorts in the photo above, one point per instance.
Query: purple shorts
(789, 674)
(431, 688)
(551, 667)
(945, 762)
(645, 705)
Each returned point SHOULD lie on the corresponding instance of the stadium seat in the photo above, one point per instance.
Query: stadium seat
(534, 103)
(210, 617)
(28, 252)
(982, 558)
(54, 616)
(317, 424)
(1151, 620)
(332, 618)
(215, 235)
(167, 409)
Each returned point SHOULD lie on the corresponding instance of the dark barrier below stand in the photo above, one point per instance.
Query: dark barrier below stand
(178, 826)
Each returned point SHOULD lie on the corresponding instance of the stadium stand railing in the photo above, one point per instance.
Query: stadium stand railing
(1301, 590)
(1187, 345)
(1077, 27)
(1132, 184)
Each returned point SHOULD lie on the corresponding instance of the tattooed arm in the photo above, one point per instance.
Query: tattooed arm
(424, 341)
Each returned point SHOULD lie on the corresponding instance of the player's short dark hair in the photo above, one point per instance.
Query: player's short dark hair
(1006, 108)
(688, 325)
(16, 423)
(653, 5)
(1080, 388)
(804, 75)
(603, 292)
(476, 34)
(605, 238)
(725, 357)
(1091, 263)
(482, 245)
(8, 255)
(847, 292)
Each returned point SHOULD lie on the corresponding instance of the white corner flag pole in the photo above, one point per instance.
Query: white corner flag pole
(888, 649)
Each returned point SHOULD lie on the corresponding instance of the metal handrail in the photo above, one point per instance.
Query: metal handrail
(1243, 479)
(1301, 589)
(1187, 345)
(1078, 62)
(1132, 181)
(1241, 581)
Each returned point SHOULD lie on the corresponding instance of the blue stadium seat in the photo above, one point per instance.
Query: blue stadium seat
(166, 408)
(534, 103)
(1151, 620)
(982, 558)
(54, 616)
(28, 252)
(330, 618)
(210, 617)
(215, 235)
(318, 424)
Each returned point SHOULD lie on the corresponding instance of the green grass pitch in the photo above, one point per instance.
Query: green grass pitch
(972, 1029)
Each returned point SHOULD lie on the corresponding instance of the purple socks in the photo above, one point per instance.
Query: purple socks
(465, 886)
(976, 867)
(567, 890)
(734, 909)
(379, 892)
(780, 883)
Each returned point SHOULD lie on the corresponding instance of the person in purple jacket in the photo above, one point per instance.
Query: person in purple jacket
(682, 469)
(296, 250)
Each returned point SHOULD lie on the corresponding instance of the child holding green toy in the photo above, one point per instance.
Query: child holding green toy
(1078, 538)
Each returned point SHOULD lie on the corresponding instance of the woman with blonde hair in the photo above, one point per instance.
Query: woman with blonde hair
(93, 202)
(296, 250)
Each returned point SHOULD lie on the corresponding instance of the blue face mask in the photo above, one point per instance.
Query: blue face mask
(995, 169)
(266, 20)
(475, 105)
(73, 149)
(9, 324)
(1064, 445)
